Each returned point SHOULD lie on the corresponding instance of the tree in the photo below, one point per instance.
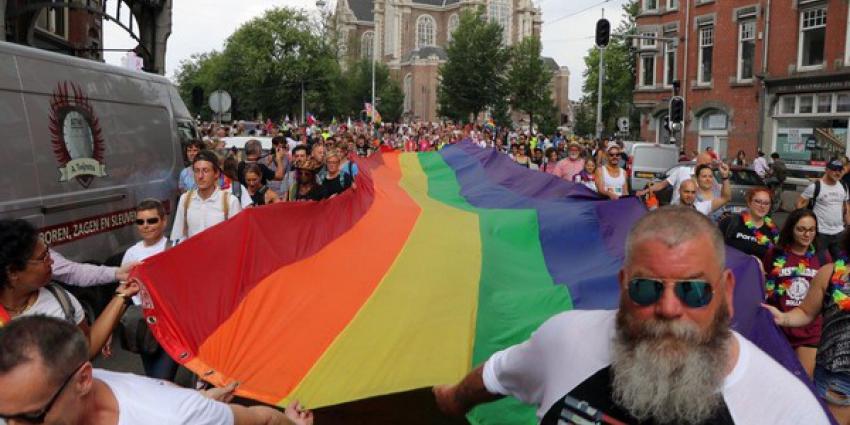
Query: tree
(619, 82)
(200, 70)
(356, 89)
(473, 77)
(529, 80)
(264, 64)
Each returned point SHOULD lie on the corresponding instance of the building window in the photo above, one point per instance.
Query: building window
(425, 30)
(499, 11)
(806, 104)
(408, 89)
(847, 43)
(746, 50)
(650, 5)
(706, 53)
(454, 22)
(648, 43)
(670, 64)
(672, 4)
(647, 71)
(54, 21)
(842, 102)
(812, 38)
(824, 103)
(367, 45)
(714, 132)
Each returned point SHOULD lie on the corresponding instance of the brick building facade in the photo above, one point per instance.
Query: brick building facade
(410, 37)
(71, 31)
(755, 74)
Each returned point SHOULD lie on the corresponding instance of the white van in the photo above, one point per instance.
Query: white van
(649, 162)
(83, 143)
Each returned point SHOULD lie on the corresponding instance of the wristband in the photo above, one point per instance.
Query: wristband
(127, 299)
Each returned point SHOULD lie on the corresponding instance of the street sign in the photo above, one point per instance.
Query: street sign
(623, 124)
(220, 101)
(811, 143)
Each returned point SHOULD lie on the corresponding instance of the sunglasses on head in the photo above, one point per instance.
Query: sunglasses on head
(152, 220)
(692, 293)
(38, 417)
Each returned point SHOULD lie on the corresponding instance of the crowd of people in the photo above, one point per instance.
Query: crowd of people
(667, 355)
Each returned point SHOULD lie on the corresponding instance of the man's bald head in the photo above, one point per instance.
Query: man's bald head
(674, 225)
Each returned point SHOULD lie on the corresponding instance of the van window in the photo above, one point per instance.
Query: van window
(186, 132)
(654, 158)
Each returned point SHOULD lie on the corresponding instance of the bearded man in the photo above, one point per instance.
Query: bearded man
(568, 167)
(667, 356)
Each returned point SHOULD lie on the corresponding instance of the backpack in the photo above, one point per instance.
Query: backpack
(64, 301)
(814, 199)
(225, 206)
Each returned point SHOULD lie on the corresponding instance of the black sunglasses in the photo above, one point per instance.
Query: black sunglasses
(38, 417)
(693, 293)
(152, 220)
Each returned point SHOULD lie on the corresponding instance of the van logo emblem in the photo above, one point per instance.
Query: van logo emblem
(77, 138)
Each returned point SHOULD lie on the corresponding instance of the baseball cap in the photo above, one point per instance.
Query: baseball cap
(835, 165)
(611, 145)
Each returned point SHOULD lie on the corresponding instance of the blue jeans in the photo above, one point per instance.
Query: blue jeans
(159, 365)
(833, 387)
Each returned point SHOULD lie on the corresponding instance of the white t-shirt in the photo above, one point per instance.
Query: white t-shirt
(572, 347)
(828, 207)
(139, 252)
(143, 401)
(47, 305)
(704, 207)
(760, 166)
(202, 213)
(681, 174)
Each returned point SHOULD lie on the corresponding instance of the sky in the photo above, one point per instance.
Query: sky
(203, 25)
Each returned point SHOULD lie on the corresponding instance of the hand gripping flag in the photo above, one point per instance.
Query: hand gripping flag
(434, 262)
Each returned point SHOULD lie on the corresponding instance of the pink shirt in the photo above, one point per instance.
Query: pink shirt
(568, 168)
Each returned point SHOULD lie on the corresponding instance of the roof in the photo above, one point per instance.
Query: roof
(426, 52)
(436, 2)
(363, 9)
(550, 63)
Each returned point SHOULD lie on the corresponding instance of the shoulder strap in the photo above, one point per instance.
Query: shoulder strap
(189, 195)
(225, 204)
(64, 301)
(817, 192)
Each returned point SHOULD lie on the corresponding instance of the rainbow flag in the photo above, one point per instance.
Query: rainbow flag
(434, 262)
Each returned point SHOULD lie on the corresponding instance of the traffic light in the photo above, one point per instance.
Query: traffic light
(677, 109)
(603, 32)
(197, 96)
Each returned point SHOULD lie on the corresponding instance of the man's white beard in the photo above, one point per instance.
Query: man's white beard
(670, 371)
(573, 156)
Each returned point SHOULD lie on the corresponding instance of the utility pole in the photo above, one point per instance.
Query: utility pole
(303, 116)
(599, 125)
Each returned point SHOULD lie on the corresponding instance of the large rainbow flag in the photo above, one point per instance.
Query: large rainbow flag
(435, 261)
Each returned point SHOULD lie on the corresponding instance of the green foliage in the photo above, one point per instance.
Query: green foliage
(528, 82)
(355, 88)
(263, 65)
(585, 120)
(619, 82)
(473, 77)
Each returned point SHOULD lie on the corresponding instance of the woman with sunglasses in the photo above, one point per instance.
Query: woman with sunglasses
(26, 286)
(791, 265)
(151, 222)
(753, 231)
(829, 295)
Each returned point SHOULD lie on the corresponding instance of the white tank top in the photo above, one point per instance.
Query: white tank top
(615, 183)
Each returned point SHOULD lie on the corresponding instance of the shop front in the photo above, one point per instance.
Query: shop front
(808, 123)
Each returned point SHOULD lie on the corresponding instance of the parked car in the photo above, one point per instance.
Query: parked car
(649, 162)
(742, 180)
